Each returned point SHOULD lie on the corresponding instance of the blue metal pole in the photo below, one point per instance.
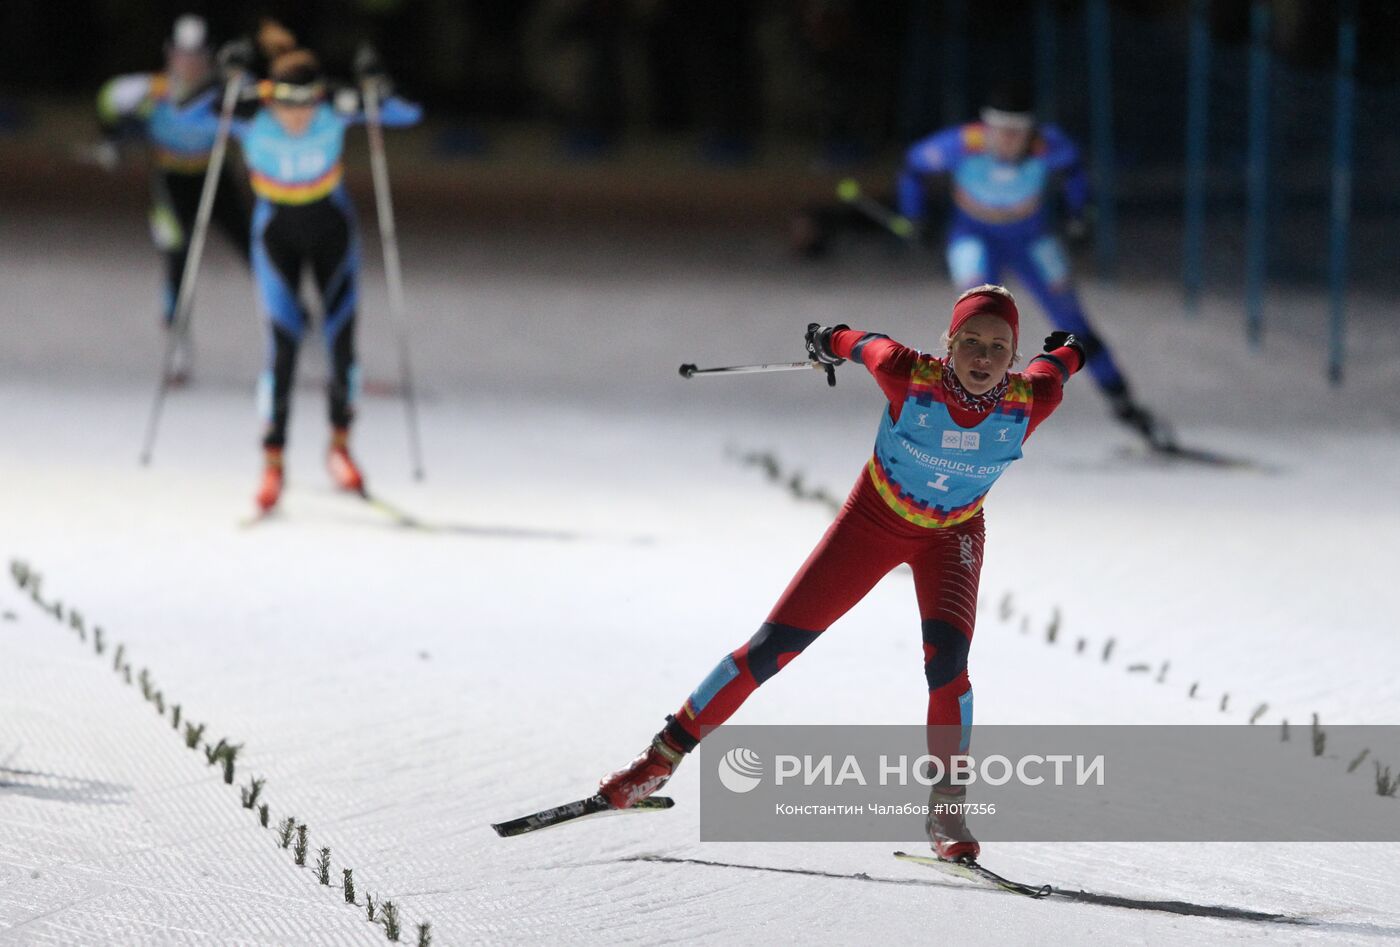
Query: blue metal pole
(1341, 190)
(954, 62)
(1101, 112)
(1045, 61)
(1257, 173)
(1197, 125)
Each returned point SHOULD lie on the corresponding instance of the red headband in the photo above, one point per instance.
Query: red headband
(993, 304)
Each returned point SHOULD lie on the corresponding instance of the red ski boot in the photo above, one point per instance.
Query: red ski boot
(270, 489)
(947, 826)
(644, 776)
(344, 471)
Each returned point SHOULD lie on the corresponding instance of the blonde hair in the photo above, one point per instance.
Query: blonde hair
(985, 288)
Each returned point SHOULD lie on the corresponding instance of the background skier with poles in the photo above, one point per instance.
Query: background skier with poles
(303, 218)
(148, 104)
(1001, 171)
(955, 422)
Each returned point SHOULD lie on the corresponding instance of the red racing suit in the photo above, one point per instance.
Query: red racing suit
(870, 537)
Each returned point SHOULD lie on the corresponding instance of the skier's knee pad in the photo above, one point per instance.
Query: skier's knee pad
(774, 645)
(945, 650)
(968, 261)
(1051, 264)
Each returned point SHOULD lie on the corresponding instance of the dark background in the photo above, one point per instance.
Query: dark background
(795, 93)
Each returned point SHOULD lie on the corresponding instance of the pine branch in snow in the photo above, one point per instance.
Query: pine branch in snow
(249, 794)
(1386, 784)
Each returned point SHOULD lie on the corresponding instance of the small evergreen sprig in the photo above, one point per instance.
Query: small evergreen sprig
(1386, 784)
(299, 848)
(323, 867)
(347, 885)
(425, 934)
(214, 753)
(284, 831)
(249, 793)
(390, 912)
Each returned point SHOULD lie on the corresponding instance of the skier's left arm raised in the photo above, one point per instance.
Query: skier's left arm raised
(394, 112)
(1063, 356)
(1062, 157)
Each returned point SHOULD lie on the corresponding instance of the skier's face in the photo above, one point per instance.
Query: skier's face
(294, 119)
(1008, 143)
(188, 68)
(982, 352)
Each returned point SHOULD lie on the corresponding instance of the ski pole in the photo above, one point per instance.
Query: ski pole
(388, 237)
(690, 371)
(184, 302)
(850, 193)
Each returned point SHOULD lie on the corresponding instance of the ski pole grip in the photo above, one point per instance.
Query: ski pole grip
(687, 370)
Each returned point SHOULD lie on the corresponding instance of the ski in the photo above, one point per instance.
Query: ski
(593, 805)
(256, 517)
(969, 868)
(1209, 458)
(399, 515)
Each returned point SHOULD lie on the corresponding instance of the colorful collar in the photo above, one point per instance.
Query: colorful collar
(955, 392)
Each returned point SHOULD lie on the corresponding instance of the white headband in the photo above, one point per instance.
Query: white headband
(1021, 121)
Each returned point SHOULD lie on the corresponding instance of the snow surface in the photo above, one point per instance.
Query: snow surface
(599, 549)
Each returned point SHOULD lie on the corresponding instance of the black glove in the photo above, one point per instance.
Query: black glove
(819, 343)
(237, 55)
(1061, 339)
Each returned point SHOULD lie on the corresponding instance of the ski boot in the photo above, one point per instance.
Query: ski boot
(947, 825)
(270, 488)
(1153, 429)
(644, 775)
(344, 471)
